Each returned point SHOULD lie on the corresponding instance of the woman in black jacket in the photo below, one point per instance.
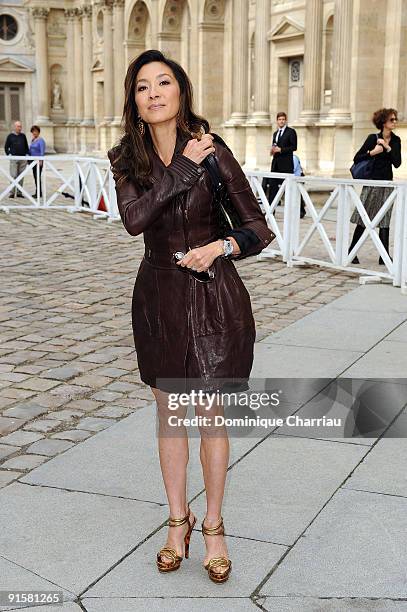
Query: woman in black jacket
(385, 147)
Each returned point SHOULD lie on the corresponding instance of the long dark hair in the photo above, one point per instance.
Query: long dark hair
(131, 161)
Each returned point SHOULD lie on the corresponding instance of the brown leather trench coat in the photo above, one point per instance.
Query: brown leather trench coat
(184, 329)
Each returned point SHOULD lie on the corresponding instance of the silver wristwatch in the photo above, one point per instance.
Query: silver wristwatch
(227, 248)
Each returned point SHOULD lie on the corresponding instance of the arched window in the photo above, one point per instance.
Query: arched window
(8, 27)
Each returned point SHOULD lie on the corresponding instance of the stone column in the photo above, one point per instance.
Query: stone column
(40, 16)
(235, 128)
(119, 64)
(88, 118)
(342, 48)
(78, 54)
(108, 86)
(312, 60)
(261, 67)
(70, 63)
(240, 61)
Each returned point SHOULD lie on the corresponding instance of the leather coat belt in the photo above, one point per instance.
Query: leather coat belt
(161, 259)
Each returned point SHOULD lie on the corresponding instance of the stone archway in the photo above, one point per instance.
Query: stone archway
(175, 35)
(138, 31)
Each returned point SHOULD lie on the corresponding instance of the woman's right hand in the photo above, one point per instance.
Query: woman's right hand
(197, 150)
(378, 149)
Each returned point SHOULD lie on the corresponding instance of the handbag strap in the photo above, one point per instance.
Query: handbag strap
(211, 165)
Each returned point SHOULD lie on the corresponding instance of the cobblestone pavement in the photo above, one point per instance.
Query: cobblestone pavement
(68, 368)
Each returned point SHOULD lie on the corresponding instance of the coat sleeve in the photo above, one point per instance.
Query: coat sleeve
(292, 143)
(395, 153)
(244, 200)
(139, 209)
(7, 146)
(368, 145)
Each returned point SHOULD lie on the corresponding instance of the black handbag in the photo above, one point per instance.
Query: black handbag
(363, 169)
(229, 221)
(228, 217)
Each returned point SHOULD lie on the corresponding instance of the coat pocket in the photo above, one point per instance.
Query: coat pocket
(234, 300)
(146, 302)
(222, 305)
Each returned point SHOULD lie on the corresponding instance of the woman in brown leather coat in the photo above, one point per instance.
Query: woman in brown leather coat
(184, 329)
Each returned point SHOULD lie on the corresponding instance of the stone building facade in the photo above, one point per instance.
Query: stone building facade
(328, 63)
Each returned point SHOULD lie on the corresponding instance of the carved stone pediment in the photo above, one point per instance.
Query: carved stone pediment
(9, 64)
(286, 29)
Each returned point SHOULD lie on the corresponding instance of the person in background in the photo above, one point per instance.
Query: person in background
(284, 145)
(37, 148)
(298, 171)
(385, 147)
(16, 144)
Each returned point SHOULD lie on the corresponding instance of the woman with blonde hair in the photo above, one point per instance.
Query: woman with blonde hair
(191, 313)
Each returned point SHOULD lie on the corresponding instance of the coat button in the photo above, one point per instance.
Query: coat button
(200, 170)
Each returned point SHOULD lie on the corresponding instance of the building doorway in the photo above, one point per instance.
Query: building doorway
(11, 108)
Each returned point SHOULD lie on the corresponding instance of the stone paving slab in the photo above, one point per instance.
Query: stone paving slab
(384, 469)
(286, 482)
(316, 604)
(14, 577)
(70, 538)
(137, 575)
(399, 334)
(173, 604)
(352, 330)
(279, 361)
(101, 464)
(386, 360)
(373, 298)
(65, 607)
(354, 548)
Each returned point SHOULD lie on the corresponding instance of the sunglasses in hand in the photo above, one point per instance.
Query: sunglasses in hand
(202, 277)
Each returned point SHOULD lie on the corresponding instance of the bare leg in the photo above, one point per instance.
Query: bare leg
(174, 455)
(214, 455)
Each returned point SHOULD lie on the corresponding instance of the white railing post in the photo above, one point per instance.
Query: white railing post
(113, 208)
(77, 186)
(295, 197)
(398, 235)
(342, 226)
(92, 186)
(288, 216)
(403, 254)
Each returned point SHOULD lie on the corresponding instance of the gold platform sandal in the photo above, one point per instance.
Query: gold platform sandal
(175, 562)
(217, 561)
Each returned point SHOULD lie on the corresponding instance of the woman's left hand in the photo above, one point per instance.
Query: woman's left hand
(382, 142)
(201, 258)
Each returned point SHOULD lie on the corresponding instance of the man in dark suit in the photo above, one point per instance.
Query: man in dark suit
(284, 144)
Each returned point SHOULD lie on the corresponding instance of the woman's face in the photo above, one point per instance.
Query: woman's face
(157, 93)
(391, 122)
(35, 133)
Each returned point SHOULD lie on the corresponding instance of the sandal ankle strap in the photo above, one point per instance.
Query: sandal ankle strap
(176, 522)
(213, 530)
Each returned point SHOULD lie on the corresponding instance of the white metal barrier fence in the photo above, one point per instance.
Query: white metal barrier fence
(342, 197)
(89, 182)
(86, 180)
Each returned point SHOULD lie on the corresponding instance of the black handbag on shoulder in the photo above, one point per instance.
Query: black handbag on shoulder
(228, 217)
(229, 221)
